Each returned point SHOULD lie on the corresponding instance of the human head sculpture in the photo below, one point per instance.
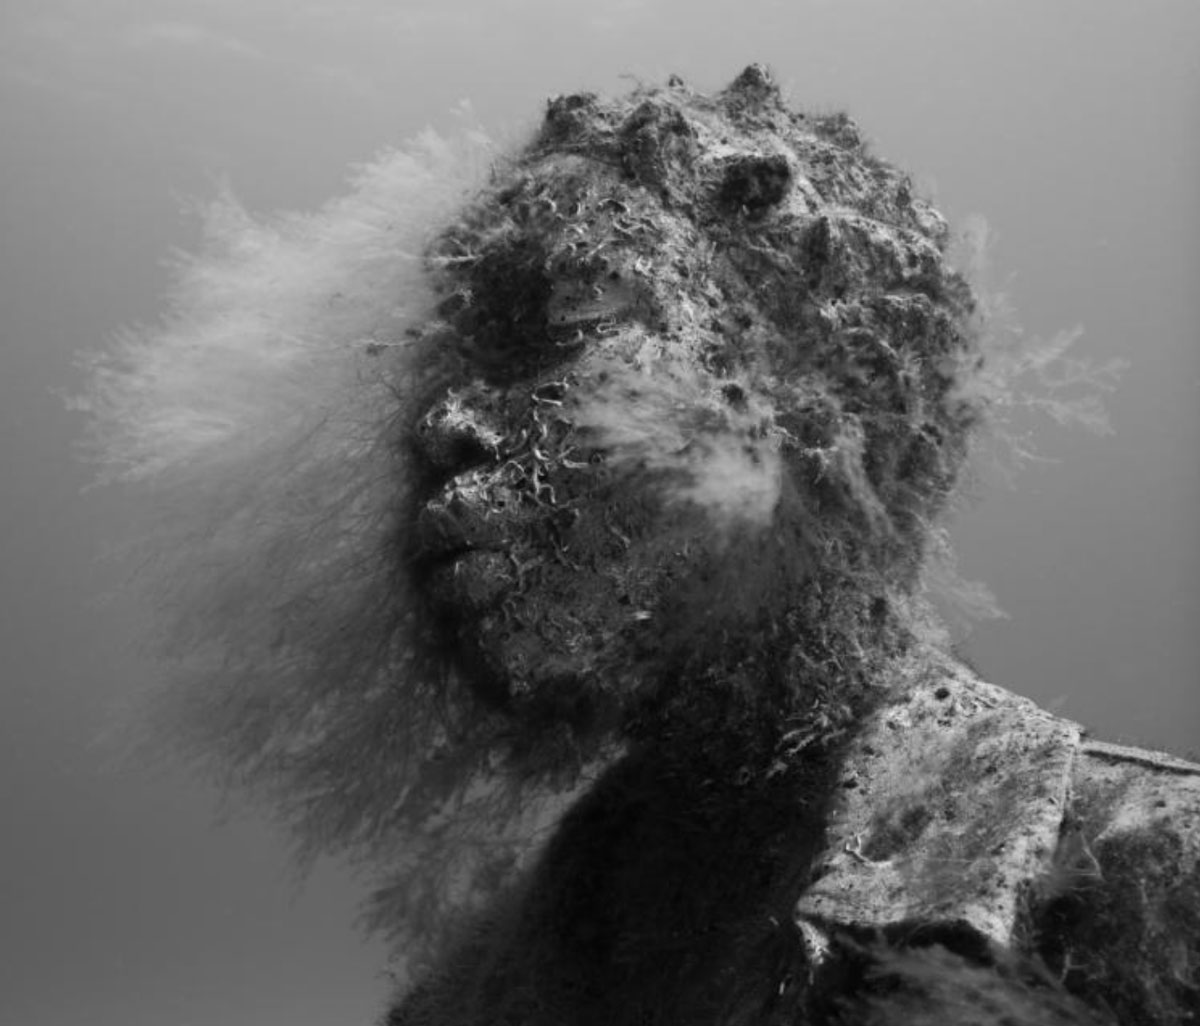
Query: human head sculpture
(654, 463)
(700, 402)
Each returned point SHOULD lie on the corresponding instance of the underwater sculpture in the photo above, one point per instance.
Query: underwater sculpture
(648, 531)
(717, 384)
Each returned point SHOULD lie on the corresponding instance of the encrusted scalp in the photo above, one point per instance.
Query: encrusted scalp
(763, 243)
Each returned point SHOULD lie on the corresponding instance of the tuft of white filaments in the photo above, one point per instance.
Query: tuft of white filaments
(254, 426)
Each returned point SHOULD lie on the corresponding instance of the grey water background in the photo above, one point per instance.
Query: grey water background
(1073, 126)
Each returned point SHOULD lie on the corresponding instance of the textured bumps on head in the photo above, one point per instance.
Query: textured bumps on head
(763, 243)
(755, 85)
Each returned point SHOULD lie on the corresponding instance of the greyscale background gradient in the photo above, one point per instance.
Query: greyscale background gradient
(1072, 126)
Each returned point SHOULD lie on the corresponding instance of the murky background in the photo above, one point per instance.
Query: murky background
(1073, 127)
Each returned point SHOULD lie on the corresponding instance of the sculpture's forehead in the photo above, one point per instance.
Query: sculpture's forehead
(739, 153)
(619, 207)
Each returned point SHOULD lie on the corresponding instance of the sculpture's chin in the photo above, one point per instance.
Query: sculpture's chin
(535, 665)
(539, 655)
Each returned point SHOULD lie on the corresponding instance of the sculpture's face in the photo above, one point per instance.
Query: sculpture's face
(688, 379)
(569, 534)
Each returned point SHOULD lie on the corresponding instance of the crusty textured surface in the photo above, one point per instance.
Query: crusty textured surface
(714, 389)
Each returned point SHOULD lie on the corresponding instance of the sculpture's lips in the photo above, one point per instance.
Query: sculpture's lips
(462, 542)
(447, 527)
(438, 534)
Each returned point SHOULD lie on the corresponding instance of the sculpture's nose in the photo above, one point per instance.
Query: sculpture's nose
(461, 430)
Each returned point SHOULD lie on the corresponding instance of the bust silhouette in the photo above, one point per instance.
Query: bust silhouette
(708, 384)
(643, 536)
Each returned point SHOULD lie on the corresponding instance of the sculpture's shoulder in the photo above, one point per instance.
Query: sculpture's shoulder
(972, 814)
(954, 793)
(965, 857)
